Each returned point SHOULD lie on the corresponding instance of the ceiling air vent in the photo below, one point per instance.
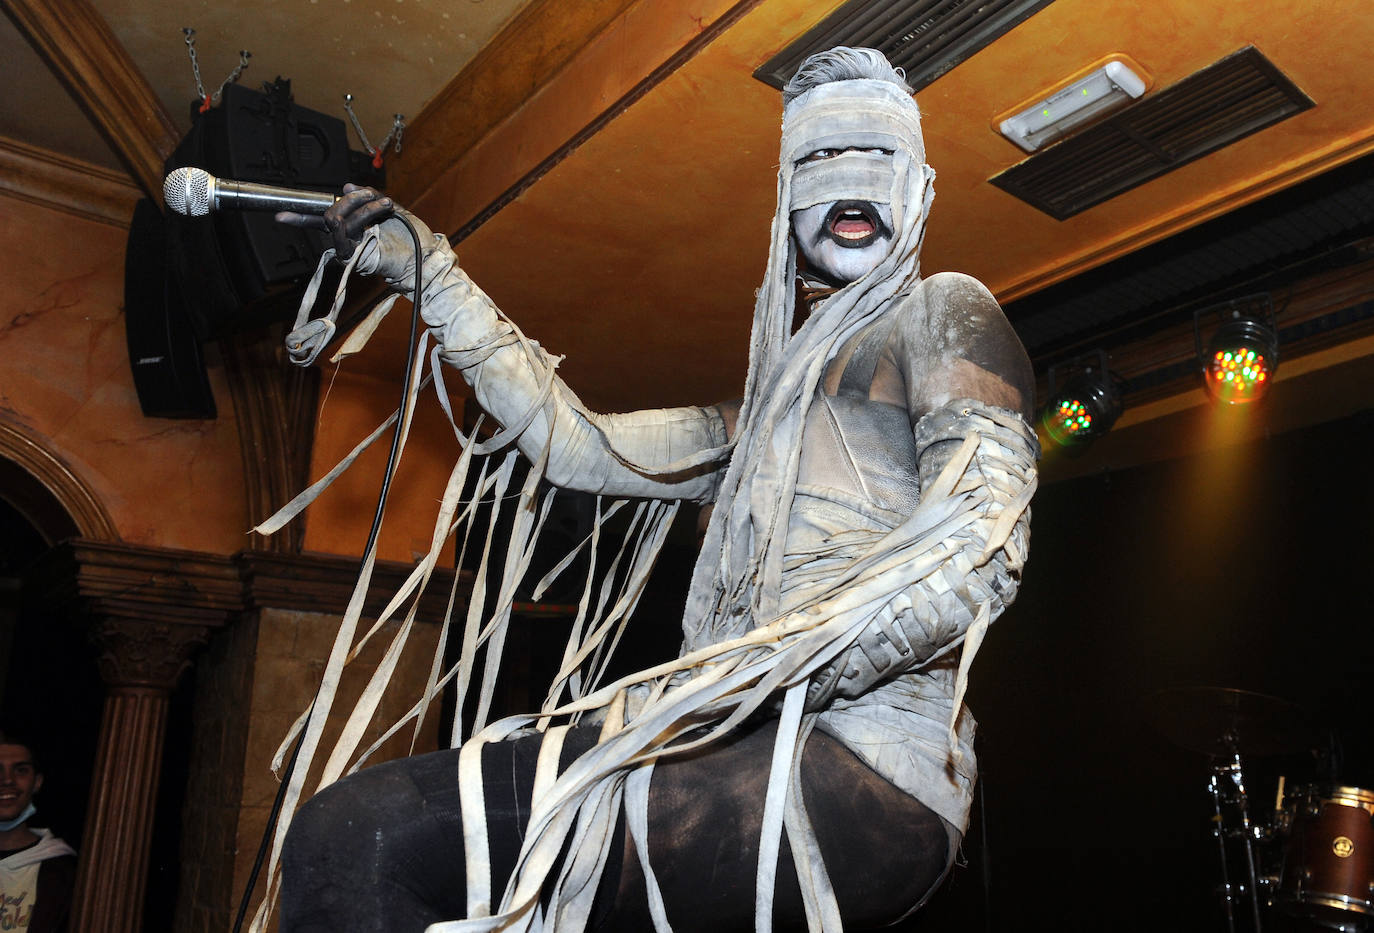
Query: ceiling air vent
(925, 38)
(1239, 95)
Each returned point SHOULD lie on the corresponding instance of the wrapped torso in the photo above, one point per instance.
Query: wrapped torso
(857, 480)
(891, 697)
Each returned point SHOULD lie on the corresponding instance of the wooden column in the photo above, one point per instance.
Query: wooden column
(147, 611)
(140, 663)
(276, 404)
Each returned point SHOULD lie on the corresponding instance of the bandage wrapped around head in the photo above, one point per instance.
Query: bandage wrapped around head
(852, 102)
(862, 115)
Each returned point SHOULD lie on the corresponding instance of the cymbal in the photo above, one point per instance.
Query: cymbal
(1225, 721)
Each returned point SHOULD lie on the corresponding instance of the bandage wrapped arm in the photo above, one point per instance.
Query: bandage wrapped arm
(662, 453)
(978, 558)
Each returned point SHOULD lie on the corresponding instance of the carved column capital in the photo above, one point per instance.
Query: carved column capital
(140, 653)
(146, 610)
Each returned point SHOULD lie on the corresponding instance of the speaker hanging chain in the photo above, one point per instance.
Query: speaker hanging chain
(398, 126)
(209, 99)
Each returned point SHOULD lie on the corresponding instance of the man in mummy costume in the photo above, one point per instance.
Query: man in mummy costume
(807, 762)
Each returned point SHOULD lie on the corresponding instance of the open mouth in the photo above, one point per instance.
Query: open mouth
(853, 224)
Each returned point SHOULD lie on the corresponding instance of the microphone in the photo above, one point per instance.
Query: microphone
(195, 193)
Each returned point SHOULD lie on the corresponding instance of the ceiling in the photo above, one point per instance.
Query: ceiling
(607, 167)
(392, 56)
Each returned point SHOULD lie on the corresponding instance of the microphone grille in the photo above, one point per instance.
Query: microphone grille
(187, 191)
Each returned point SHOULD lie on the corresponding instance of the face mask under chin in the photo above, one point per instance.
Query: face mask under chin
(841, 241)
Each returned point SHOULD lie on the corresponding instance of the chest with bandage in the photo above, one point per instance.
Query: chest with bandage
(861, 448)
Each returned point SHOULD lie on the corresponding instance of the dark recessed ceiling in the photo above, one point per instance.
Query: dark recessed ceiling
(1320, 223)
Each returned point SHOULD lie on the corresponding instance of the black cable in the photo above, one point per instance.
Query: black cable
(275, 813)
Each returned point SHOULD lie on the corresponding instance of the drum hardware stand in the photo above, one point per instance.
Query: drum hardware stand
(1229, 770)
(1221, 723)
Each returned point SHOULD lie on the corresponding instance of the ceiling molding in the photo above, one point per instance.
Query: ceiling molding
(153, 584)
(325, 583)
(523, 57)
(177, 586)
(52, 180)
(77, 44)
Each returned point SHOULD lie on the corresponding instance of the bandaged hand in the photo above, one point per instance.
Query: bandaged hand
(346, 221)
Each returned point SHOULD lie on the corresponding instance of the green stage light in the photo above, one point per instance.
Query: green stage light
(1087, 404)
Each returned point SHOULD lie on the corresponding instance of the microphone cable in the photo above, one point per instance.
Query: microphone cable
(392, 457)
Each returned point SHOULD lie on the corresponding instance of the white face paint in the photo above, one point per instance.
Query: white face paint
(849, 232)
(844, 240)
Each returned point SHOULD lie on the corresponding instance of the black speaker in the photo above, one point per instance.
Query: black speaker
(239, 270)
(164, 352)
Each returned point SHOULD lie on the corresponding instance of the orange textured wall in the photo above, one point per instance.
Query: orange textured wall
(352, 406)
(64, 375)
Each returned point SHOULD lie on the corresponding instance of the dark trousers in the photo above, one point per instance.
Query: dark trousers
(382, 850)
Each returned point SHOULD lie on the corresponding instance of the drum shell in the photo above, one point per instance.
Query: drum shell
(1328, 865)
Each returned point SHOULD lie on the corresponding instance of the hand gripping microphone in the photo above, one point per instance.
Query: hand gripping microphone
(195, 193)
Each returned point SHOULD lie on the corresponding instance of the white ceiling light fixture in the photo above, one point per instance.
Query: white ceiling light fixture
(1104, 87)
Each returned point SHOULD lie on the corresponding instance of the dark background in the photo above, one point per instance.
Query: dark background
(1245, 569)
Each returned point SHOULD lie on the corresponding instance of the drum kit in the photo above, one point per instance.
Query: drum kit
(1307, 864)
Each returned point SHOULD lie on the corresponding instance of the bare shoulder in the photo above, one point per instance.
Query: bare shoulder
(951, 306)
(951, 321)
(957, 285)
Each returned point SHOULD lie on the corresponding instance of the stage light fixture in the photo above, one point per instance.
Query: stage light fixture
(1242, 355)
(1087, 403)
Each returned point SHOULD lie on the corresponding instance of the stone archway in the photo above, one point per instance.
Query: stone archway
(48, 491)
